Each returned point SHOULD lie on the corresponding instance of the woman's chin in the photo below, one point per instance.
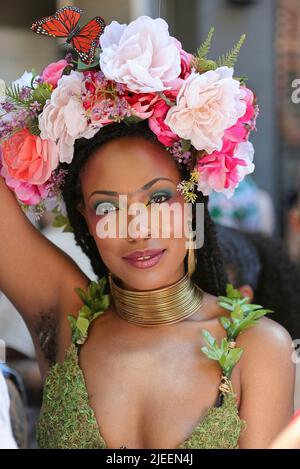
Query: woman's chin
(145, 281)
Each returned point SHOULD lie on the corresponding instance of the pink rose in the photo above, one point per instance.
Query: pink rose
(222, 172)
(53, 72)
(142, 55)
(28, 158)
(240, 131)
(63, 118)
(207, 104)
(29, 194)
(141, 104)
(186, 60)
(157, 124)
(249, 100)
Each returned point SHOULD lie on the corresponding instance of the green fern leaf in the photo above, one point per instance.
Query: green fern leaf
(231, 57)
(204, 49)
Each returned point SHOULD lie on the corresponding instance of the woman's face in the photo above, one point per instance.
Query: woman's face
(146, 174)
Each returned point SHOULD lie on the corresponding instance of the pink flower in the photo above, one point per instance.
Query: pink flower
(159, 127)
(63, 118)
(186, 60)
(250, 110)
(240, 131)
(207, 104)
(142, 104)
(141, 55)
(222, 172)
(28, 158)
(29, 194)
(53, 72)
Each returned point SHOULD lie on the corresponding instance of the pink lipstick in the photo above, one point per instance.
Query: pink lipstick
(145, 259)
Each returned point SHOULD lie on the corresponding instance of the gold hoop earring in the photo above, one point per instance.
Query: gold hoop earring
(192, 261)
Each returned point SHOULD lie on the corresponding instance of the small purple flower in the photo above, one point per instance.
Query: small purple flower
(177, 152)
(56, 181)
(39, 80)
(8, 107)
(25, 93)
(34, 109)
(120, 88)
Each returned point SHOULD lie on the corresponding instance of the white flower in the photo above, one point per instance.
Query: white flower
(24, 80)
(2, 91)
(207, 105)
(243, 151)
(142, 55)
(63, 119)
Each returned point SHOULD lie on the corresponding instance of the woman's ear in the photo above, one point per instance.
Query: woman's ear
(247, 290)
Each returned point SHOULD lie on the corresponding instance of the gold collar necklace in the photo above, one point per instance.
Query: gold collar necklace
(166, 305)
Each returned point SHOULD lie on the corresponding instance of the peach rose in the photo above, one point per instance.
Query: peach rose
(207, 105)
(63, 118)
(28, 158)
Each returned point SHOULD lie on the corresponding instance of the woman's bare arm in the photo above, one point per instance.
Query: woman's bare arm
(267, 383)
(34, 274)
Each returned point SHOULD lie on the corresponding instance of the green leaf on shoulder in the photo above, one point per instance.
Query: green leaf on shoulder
(242, 314)
(226, 356)
(95, 303)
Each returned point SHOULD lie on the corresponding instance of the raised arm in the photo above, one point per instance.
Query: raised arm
(34, 274)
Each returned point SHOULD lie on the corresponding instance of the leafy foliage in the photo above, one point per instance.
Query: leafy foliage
(242, 316)
(203, 64)
(188, 187)
(34, 127)
(13, 92)
(95, 303)
(232, 56)
(61, 221)
(41, 93)
(226, 356)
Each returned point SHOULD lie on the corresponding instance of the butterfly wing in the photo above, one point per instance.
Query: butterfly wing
(87, 39)
(61, 24)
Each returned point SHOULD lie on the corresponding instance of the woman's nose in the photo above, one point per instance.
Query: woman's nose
(138, 228)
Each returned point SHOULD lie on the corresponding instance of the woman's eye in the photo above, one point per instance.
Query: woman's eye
(160, 198)
(104, 208)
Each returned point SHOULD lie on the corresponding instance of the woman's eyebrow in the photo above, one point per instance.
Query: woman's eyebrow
(143, 188)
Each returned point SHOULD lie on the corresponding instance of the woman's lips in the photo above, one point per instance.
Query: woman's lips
(147, 263)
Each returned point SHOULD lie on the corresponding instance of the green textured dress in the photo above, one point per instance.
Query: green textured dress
(68, 421)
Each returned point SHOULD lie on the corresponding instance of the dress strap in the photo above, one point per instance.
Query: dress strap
(242, 315)
(95, 303)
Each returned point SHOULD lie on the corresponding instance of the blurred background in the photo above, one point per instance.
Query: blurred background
(268, 202)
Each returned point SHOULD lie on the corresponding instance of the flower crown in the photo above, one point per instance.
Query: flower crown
(197, 109)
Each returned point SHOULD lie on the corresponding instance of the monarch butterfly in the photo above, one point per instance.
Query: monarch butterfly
(64, 23)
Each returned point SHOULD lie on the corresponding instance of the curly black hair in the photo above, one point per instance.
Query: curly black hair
(262, 262)
(210, 273)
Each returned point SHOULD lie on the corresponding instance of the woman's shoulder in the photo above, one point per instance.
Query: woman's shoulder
(264, 344)
(267, 350)
(266, 335)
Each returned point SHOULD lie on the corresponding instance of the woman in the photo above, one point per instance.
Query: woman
(133, 386)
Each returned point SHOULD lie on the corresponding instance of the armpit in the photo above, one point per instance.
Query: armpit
(46, 330)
